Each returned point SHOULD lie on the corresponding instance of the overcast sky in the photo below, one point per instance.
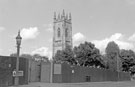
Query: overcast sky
(98, 21)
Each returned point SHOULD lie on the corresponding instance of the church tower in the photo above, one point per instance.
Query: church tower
(62, 32)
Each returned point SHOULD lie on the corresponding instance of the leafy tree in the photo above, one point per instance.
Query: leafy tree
(128, 60)
(132, 70)
(105, 61)
(112, 47)
(59, 56)
(112, 53)
(36, 57)
(87, 54)
(65, 56)
(28, 56)
(13, 55)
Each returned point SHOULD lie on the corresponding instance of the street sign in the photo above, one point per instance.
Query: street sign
(20, 73)
(14, 72)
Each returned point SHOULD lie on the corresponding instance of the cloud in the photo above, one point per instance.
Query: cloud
(29, 33)
(78, 38)
(125, 45)
(132, 38)
(43, 51)
(48, 27)
(117, 38)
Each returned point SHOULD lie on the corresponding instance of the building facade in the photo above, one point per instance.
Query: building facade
(62, 32)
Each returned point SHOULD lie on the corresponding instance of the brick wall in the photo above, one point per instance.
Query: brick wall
(84, 74)
(8, 64)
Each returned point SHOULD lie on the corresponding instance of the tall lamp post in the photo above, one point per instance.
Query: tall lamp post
(18, 42)
(51, 75)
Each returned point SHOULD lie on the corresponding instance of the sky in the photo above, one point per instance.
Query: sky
(97, 21)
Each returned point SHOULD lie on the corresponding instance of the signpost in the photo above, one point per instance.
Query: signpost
(20, 73)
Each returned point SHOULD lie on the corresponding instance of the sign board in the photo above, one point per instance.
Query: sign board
(20, 73)
(57, 68)
(73, 71)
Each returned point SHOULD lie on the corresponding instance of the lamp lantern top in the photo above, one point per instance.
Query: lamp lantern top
(18, 38)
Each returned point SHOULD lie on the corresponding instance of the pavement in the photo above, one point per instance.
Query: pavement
(86, 84)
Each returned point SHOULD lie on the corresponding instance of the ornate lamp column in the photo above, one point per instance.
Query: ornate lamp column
(18, 42)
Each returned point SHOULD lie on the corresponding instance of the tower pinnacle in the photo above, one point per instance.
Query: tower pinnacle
(70, 16)
(59, 16)
(54, 15)
(63, 13)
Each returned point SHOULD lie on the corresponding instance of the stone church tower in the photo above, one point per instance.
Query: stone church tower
(62, 32)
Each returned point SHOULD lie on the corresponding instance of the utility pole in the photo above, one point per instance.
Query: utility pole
(118, 66)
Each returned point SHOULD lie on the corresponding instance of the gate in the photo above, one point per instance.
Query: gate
(88, 78)
(35, 71)
(45, 72)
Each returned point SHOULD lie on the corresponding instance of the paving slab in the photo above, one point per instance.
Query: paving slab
(87, 84)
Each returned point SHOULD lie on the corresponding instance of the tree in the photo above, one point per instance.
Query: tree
(36, 57)
(105, 61)
(59, 56)
(112, 47)
(87, 54)
(13, 55)
(28, 56)
(132, 70)
(112, 53)
(128, 60)
(65, 56)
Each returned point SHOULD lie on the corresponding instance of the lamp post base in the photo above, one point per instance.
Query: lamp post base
(16, 81)
(51, 75)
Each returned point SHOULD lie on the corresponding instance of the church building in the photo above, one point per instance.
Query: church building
(65, 73)
(62, 32)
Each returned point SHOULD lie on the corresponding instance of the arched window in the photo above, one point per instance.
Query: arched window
(58, 32)
(66, 32)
